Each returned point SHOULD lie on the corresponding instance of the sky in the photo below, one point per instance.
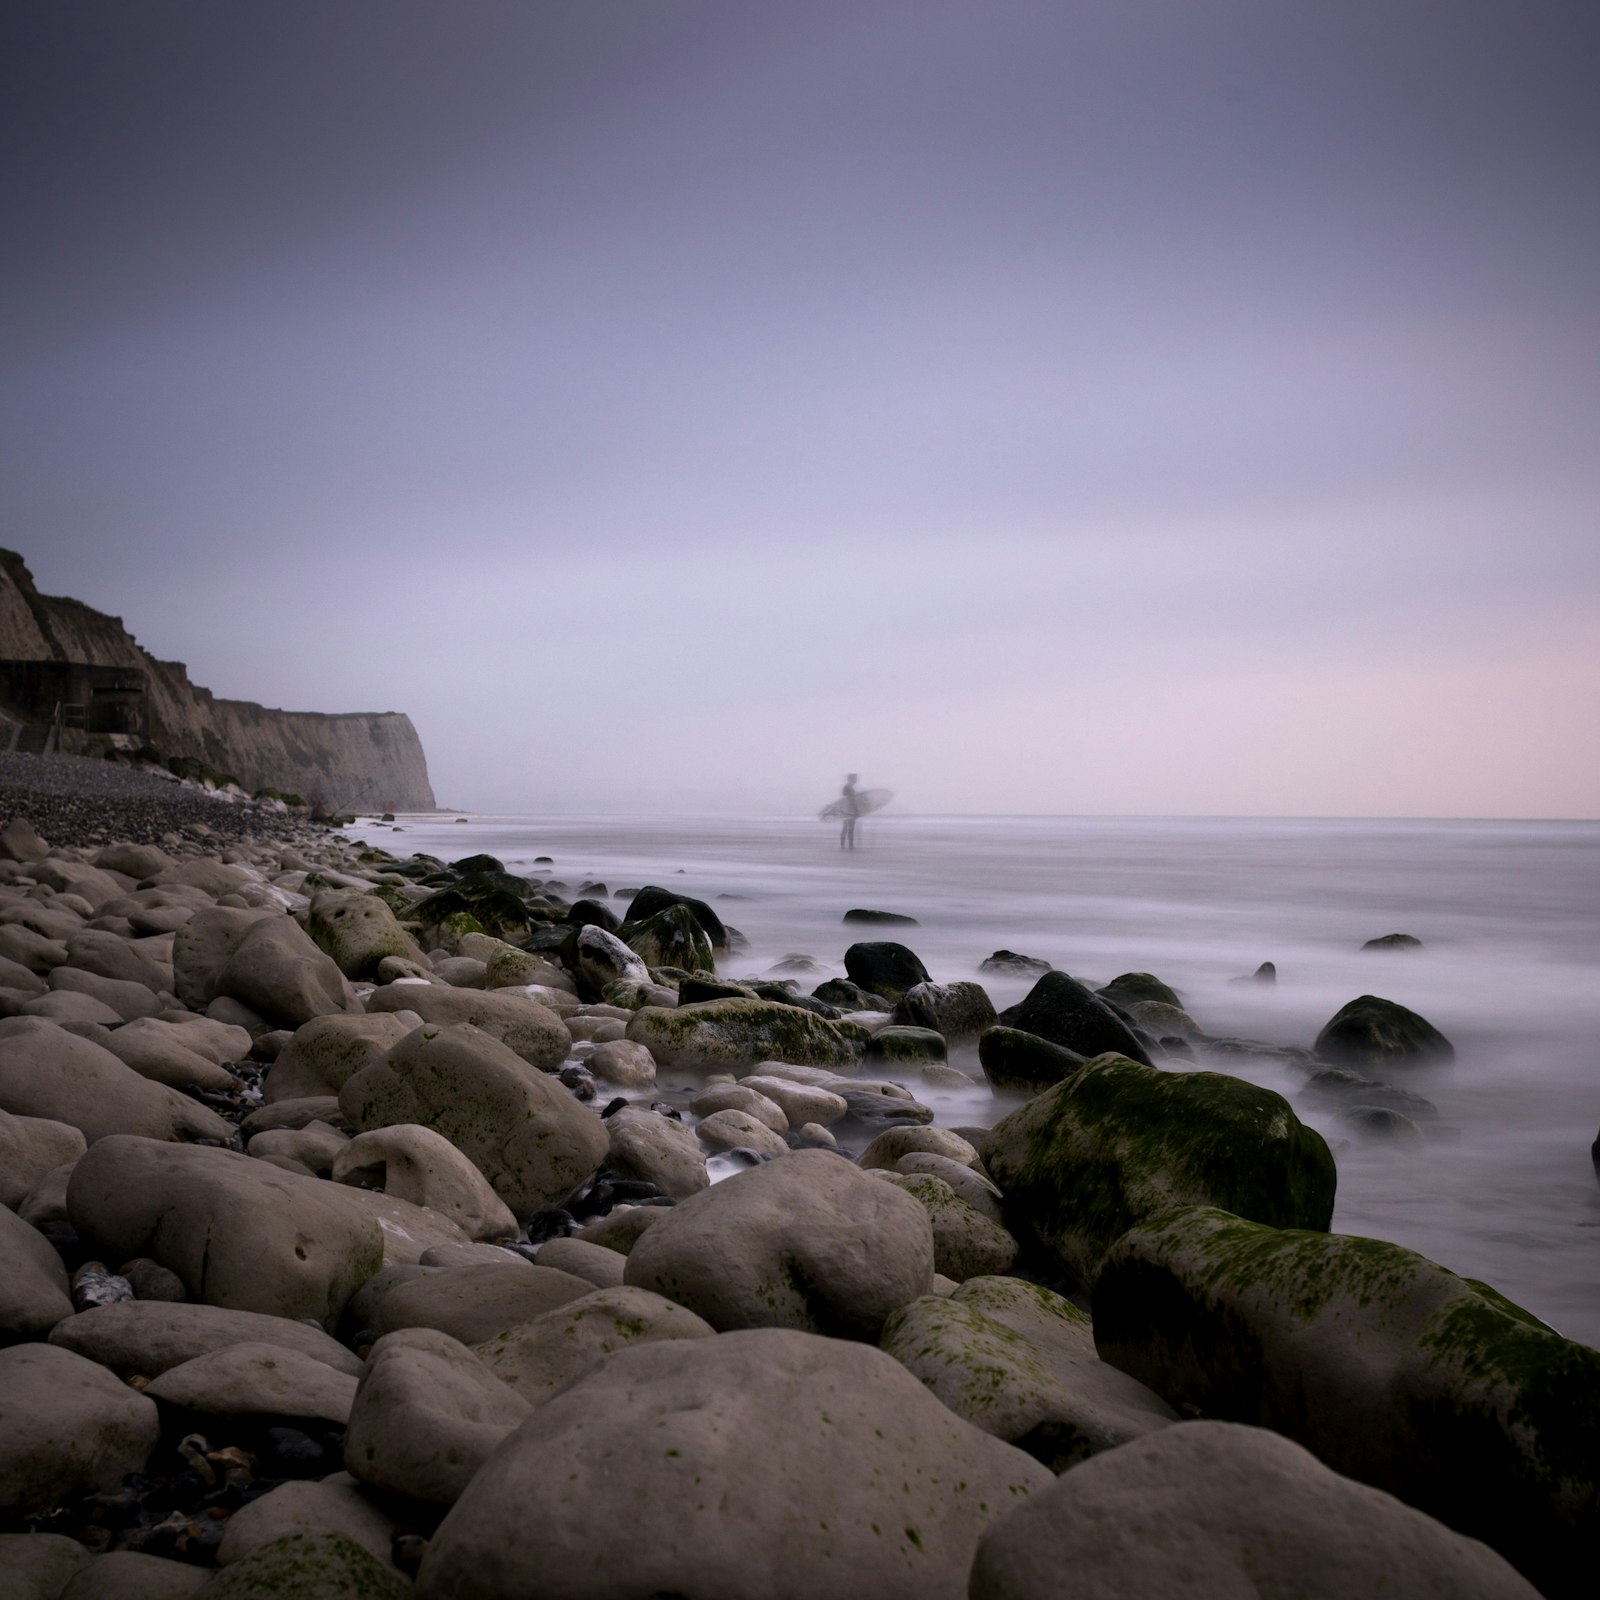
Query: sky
(1097, 406)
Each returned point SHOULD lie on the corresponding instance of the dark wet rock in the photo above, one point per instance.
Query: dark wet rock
(884, 968)
(896, 1046)
(1373, 1033)
(670, 937)
(875, 1110)
(1013, 965)
(1014, 1059)
(861, 914)
(1380, 1122)
(958, 1011)
(1387, 1367)
(1084, 1161)
(785, 996)
(698, 986)
(848, 996)
(796, 961)
(1333, 1086)
(652, 899)
(587, 913)
(1060, 1009)
(1267, 972)
(1394, 941)
(1133, 987)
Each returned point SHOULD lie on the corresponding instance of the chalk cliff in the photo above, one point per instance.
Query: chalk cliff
(352, 761)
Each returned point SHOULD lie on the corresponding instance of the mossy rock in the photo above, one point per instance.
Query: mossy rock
(848, 996)
(1371, 1033)
(958, 1011)
(731, 1033)
(359, 931)
(497, 909)
(906, 1047)
(966, 1244)
(646, 902)
(1135, 986)
(470, 865)
(694, 987)
(1084, 1161)
(670, 938)
(1388, 1367)
(308, 1566)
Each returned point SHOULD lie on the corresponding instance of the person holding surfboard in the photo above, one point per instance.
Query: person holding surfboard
(849, 811)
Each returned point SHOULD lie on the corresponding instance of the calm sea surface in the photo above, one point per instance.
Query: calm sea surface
(1509, 914)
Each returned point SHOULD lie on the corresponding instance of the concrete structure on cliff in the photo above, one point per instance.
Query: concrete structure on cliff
(60, 652)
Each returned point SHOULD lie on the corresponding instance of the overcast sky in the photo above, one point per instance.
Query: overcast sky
(1087, 406)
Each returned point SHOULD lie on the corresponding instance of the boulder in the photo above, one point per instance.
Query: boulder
(539, 1358)
(506, 967)
(966, 1244)
(480, 1301)
(886, 1150)
(722, 1034)
(159, 1051)
(1214, 1511)
(806, 1241)
(1061, 1010)
(358, 931)
(323, 1053)
(309, 1566)
(142, 1338)
(740, 1097)
(958, 1011)
(522, 1130)
(132, 1575)
(29, 1148)
(670, 937)
(1139, 988)
(256, 1380)
(20, 841)
(882, 968)
(417, 1164)
(738, 1130)
(1389, 1368)
(591, 1262)
(33, 1284)
(1013, 1059)
(426, 1416)
(241, 1233)
(337, 1504)
(650, 900)
(799, 1102)
(645, 1144)
(1394, 941)
(877, 1489)
(38, 1566)
(48, 1073)
(70, 1426)
(623, 1062)
(136, 861)
(313, 1151)
(602, 959)
(277, 971)
(203, 946)
(531, 1030)
(1020, 1363)
(22, 947)
(1082, 1163)
(108, 955)
(847, 996)
(127, 1000)
(896, 1047)
(1369, 1034)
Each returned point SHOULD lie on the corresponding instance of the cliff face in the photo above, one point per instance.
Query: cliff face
(352, 761)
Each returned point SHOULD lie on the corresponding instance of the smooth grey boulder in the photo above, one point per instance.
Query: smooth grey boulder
(966, 1180)
(1369, 1034)
(69, 1426)
(29, 1148)
(540, 1357)
(323, 1054)
(724, 1034)
(420, 1165)
(128, 1000)
(806, 1241)
(1061, 1010)
(738, 1130)
(25, 948)
(159, 1051)
(136, 861)
(277, 971)
(1020, 1363)
(966, 1244)
(893, 1143)
(646, 1145)
(131, 1575)
(739, 1097)
(875, 1489)
(1221, 1512)
(312, 1151)
(426, 1415)
(143, 1338)
(523, 1131)
(20, 841)
(1391, 1369)
(1081, 1163)
(623, 1062)
(241, 1233)
(309, 1566)
(530, 1030)
(202, 947)
(49, 1073)
(800, 1102)
(299, 1113)
(253, 1380)
(358, 931)
(34, 1294)
(138, 961)
(38, 1566)
(336, 1504)
(592, 1262)
(479, 1301)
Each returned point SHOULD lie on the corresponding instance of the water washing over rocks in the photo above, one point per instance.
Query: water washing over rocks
(377, 1222)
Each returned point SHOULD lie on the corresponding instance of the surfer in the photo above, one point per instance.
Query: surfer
(848, 811)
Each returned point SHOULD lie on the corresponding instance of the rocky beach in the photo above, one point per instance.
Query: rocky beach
(376, 1222)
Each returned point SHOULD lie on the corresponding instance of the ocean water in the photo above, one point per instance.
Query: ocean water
(1509, 914)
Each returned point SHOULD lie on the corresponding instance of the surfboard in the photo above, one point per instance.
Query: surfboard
(867, 801)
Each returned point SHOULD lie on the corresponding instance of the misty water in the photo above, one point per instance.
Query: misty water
(1509, 914)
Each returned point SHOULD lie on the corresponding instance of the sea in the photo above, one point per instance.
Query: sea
(1503, 1188)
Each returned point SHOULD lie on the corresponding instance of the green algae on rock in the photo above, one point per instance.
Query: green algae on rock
(727, 1033)
(1388, 1367)
(670, 937)
(1083, 1162)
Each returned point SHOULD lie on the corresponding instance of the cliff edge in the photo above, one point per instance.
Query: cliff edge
(350, 761)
